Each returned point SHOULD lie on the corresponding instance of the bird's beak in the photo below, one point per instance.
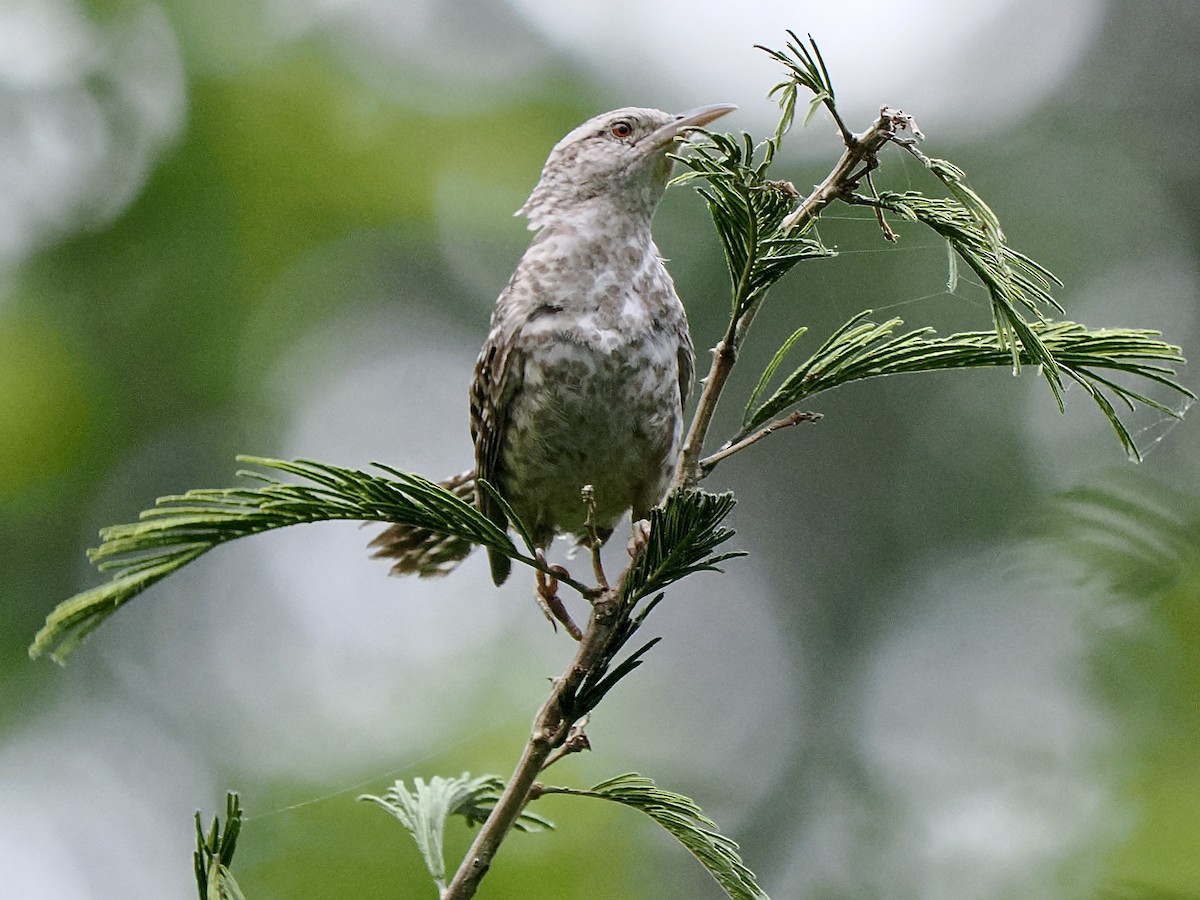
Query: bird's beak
(693, 118)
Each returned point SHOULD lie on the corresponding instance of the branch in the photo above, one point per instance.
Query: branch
(684, 534)
(551, 729)
(858, 159)
(710, 462)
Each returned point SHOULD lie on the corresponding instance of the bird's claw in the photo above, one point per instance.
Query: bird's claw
(551, 604)
(641, 537)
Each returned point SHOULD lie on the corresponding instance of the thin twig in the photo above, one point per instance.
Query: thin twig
(888, 234)
(687, 472)
(540, 563)
(576, 742)
(710, 462)
(594, 542)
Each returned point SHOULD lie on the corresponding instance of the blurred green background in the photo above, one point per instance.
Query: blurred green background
(961, 660)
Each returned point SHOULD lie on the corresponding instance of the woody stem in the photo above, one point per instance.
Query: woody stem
(551, 729)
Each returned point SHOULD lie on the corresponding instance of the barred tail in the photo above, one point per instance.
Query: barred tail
(421, 551)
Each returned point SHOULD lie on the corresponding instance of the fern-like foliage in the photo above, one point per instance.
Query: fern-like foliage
(805, 68)
(748, 210)
(181, 528)
(865, 349)
(425, 808)
(684, 535)
(214, 853)
(685, 821)
(764, 380)
(1013, 280)
(754, 216)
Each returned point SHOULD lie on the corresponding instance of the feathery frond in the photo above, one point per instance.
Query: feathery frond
(425, 808)
(685, 821)
(769, 373)
(684, 533)
(865, 349)
(1012, 279)
(748, 210)
(806, 68)
(179, 529)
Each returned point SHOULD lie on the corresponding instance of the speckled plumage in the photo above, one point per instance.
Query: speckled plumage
(588, 361)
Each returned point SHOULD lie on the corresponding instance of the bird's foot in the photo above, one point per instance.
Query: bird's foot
(641, 536)
(594, 538)
(551, 604)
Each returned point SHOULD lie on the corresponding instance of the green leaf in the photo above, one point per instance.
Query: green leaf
(955, 179)
(748, 210)
(214, 853)
(179, 529)
(814, 104)
(865, 349)
(769, 372)
(685, 821)
(424, 810)
(1013, 280)
(684, 532)
(509, 514)
(785, 95)
(805, 67)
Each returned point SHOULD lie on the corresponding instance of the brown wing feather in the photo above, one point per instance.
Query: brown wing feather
(686, 356)
(497, 376)
(427, 553)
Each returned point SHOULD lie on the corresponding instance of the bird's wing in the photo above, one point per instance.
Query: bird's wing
(498, 374)
(686, 356)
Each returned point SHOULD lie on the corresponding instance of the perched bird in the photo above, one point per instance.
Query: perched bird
(588, 361)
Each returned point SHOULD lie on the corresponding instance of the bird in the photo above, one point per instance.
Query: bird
(588, 360)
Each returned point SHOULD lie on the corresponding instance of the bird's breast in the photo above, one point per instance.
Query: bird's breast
(599, 404)
(599, 332)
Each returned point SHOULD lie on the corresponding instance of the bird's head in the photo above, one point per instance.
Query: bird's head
(619, 156)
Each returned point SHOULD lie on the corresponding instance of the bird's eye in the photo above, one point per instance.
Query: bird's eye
(621, 129)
